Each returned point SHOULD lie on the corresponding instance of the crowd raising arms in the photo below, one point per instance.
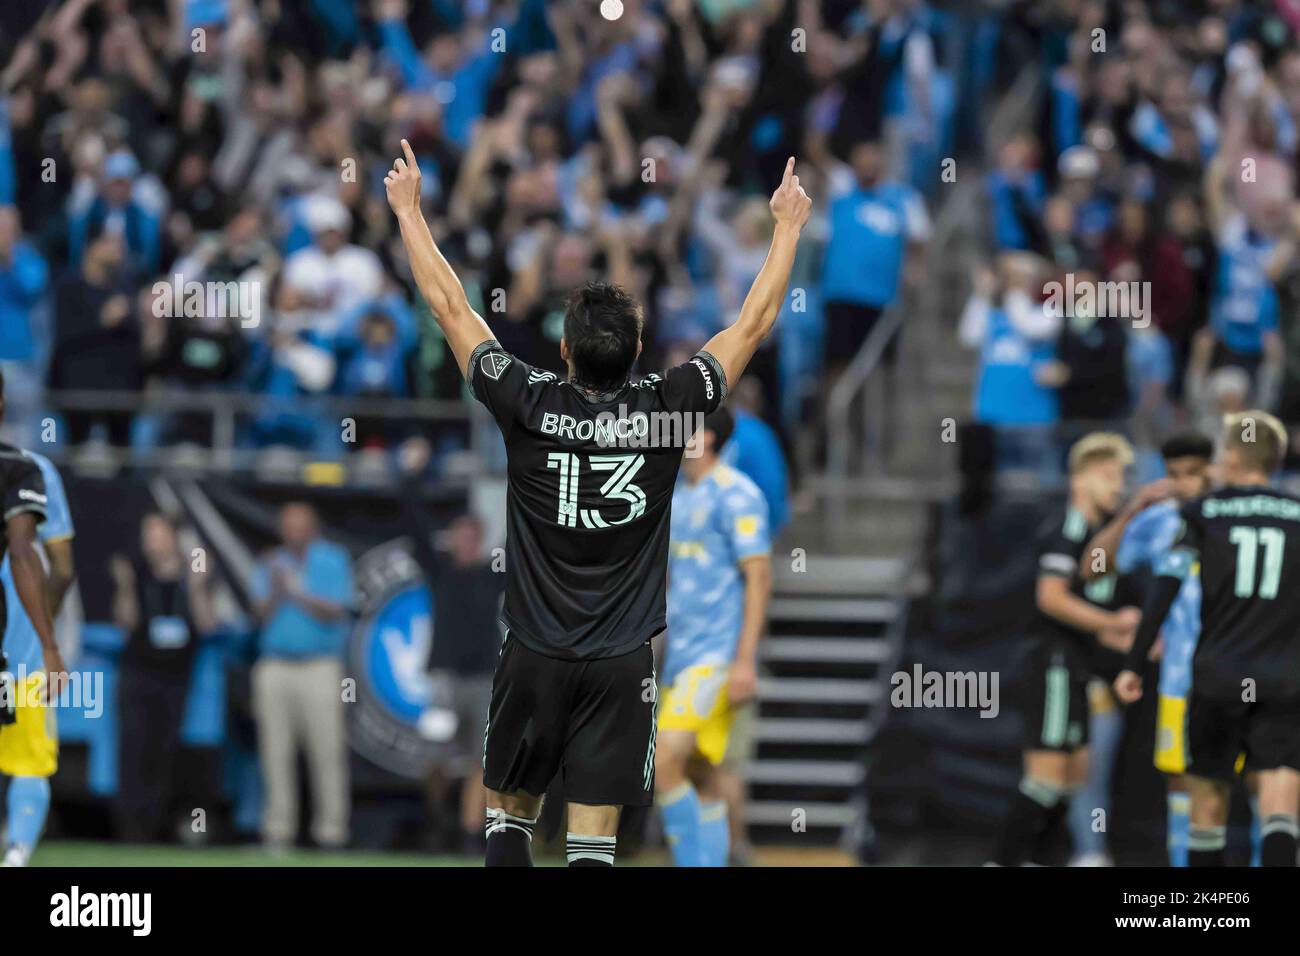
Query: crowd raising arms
(465, 329)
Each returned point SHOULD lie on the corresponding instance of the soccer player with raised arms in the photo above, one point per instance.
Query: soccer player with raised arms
(587, 523)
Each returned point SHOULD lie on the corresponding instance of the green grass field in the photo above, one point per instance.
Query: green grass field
(60, 853)
(79, 854)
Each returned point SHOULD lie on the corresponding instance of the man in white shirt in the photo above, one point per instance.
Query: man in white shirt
(331, 277)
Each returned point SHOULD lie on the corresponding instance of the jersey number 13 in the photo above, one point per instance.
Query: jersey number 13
(617, 487)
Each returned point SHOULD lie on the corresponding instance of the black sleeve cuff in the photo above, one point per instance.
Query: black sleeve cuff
(480, 350)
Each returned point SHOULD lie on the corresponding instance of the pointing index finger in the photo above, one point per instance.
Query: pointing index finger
(789, 171)
(410, 156)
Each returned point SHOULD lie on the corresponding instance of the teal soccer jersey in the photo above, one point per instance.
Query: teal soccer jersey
(716, 524)
(21, 644)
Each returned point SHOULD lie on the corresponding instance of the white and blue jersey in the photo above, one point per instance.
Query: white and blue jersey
(716, 524)
(1244, 308)
(1007, 392)
(870, 230)
(1146, 542)
(21, 645)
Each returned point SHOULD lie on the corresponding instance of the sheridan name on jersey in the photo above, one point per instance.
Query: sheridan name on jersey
(587, 511)
(1248, 543)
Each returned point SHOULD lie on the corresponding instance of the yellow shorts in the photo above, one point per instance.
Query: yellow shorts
(1171, 724)
(1100, 699)
(697, 702)
(1171, 737)
(30, 746)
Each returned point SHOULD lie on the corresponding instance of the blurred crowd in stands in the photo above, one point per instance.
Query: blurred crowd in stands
(1144, 274)
(245, 141)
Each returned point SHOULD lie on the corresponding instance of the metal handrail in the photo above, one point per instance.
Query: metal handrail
(225, 408)
(216, 402)
(950, 224)
(850, 384)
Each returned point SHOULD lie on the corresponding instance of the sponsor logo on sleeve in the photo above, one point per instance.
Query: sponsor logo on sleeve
(708, 376)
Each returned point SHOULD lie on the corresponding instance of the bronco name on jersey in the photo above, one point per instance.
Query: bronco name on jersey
(591, 480)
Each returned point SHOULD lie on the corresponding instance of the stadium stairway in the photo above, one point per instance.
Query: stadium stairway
(930, 388)
(825, 663)
(837, 626)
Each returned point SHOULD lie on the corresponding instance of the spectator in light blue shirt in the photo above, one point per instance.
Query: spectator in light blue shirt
(1150, 363)
(1017, 193)
(303, 592)
(23, 279)
(456, 77)
(116, 208)
(755, 451)
(874, 225)
(1016, 339)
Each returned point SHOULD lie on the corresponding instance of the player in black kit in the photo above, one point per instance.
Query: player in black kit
(1077, 620)
(592, 462)
(1246, 672)
(22, 509)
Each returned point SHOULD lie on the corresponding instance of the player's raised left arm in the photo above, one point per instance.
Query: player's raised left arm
(734, 346)
(437, 282)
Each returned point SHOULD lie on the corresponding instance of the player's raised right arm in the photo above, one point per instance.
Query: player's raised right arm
(733, 347)
(464, 328)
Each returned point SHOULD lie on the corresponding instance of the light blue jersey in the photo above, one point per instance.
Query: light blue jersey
(1146, 542)
(21, 644)
(717, 523)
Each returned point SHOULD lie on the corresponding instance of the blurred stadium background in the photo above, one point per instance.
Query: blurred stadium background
(907, 420)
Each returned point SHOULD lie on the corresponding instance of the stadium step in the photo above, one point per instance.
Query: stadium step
(825, 665)
(866, 610)
(818, 691)
(812, 731)
(824, 820)
(832, 773)
(824, 650)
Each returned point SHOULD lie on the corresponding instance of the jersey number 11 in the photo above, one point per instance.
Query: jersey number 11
(1248, 541)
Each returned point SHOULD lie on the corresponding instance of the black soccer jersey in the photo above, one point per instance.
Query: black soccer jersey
(590, 489)
(1247, 540)
(22, 490)
(1062, 541)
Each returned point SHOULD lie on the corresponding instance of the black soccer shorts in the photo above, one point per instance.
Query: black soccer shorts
(1218, 732)
(593, 722)
(1056, 701)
